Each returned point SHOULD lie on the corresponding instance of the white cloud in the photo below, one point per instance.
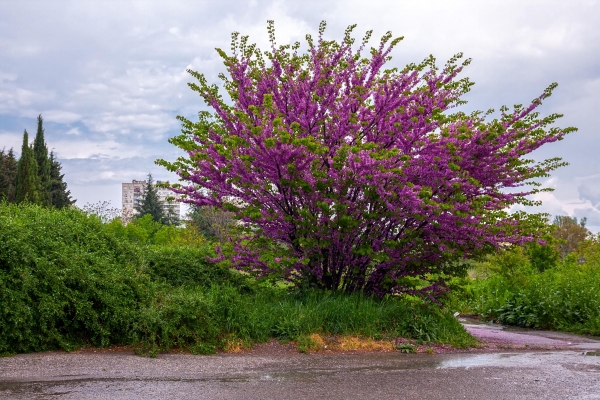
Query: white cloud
(7, 77)
(11, 140)
(73, 131)
(61, 116)
(590, 193)
(592, 216)
(83, 149)
(109, 91)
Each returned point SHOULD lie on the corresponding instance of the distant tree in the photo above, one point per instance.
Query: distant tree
(60, 196)
(213, 223)
(8, 175)
(570, 233)
(40, 151)
(27, 188)
(150, 203)
(103, 210)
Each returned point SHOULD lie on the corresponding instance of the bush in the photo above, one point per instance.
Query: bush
(176, 319)
(190, 266)
(66, 281)
(562, 297)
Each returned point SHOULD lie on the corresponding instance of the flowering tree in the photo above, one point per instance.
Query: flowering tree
(348, 176)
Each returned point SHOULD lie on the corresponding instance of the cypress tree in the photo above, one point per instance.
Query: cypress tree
(8, 175)
(150, 204)
(59, 195)
(40, 151)
(27, 186)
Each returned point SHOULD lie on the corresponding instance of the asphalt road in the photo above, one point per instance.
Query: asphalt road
(533, 375)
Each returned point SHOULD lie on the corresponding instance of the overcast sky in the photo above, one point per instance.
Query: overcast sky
(109, 76)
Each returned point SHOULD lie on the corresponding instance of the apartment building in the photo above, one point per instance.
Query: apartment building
(132, 193)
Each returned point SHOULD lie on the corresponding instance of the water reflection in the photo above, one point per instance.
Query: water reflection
(472, 361)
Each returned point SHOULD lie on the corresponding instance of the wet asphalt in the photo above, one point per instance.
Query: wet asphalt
(531, 375)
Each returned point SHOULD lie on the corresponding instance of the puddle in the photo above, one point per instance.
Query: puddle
(479, 360)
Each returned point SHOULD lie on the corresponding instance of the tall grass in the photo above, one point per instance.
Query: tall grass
(290, 315)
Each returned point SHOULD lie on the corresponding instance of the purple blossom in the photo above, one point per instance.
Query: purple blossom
(355, 177)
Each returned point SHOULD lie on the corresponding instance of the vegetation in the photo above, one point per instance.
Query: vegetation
(569, 233)
(68, 280)
(211, 222)
(40, 152)
(36, 177)
(358, 178)
(145, 230)
(8, 174)
(60, 196)
(350, 192)
(27, 184)
(538, 285)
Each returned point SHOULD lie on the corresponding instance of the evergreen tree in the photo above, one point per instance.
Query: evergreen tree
(59, 195)
(27, 182)
(150, 203)
(8, 175)
(40, 151)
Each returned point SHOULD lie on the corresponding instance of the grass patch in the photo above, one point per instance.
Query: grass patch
(269, 313)
(317, 342)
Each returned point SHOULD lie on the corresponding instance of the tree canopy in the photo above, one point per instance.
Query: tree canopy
(570, 233)
(350, 176)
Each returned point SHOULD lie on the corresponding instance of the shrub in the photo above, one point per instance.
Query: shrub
(563, 297)
(185, 265)
(64, 281)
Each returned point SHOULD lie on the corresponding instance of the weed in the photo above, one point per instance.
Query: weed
(306, 343)
(406, 348)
